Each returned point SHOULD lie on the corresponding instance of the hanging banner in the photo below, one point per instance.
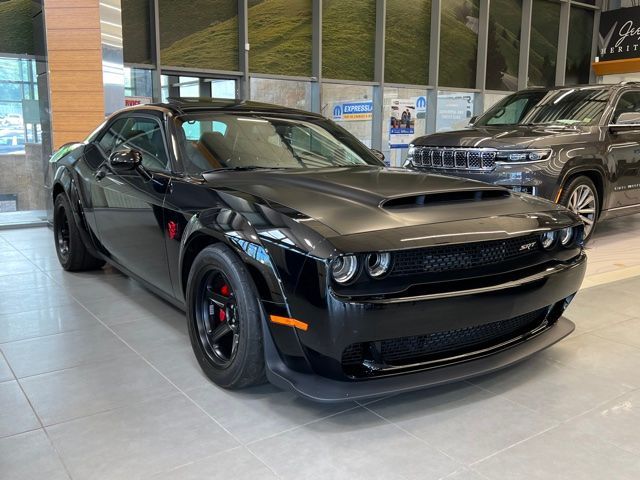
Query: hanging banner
(349, 111)
(402, 120)
(619, 36)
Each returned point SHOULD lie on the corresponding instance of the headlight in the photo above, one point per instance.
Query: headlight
(566, 236)
(523, 155)
(378, 264)
(548, 240)
(411, 153)
(344, 268)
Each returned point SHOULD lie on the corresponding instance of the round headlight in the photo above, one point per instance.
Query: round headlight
(548, 240)
(566, 236)
(378, 264)
(344, 268)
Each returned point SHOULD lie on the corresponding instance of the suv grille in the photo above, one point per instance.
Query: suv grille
(439, 345)
(455, 158)
(461, 257)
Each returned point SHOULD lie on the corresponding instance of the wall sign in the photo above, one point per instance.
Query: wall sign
(345, 111)
(619, 36)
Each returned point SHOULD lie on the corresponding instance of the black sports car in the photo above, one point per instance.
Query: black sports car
(299, 257)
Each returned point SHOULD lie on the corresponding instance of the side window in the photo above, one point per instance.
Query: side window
(145, 135)
(628, 102)
(111, 138)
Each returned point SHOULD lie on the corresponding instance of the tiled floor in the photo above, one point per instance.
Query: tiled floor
(97, 381)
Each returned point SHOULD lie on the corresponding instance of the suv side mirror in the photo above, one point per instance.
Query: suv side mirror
(626, 121)
(378, 154)
(125, 160)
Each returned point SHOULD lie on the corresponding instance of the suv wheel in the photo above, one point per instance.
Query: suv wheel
(581, 197)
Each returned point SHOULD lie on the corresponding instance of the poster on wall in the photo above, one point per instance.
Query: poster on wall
(454, 111)
(619, 35)
(402, 121)
(133, 101)
(350, 111)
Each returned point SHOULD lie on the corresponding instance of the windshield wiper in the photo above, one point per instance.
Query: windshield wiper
(242, 169)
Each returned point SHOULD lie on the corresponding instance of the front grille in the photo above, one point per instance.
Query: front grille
(449, 258)
(455, 158)
(436, 346)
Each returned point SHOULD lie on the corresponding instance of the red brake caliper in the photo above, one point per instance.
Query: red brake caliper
(222, 315)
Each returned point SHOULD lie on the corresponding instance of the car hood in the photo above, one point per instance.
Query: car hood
(354, 200)
(508, 137)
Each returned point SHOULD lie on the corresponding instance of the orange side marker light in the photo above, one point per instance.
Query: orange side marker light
(291, 322)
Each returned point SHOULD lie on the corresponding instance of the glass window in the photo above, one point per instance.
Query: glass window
(136, 34)
(348, 39)
(282, 92)
(208, 39)
(579, 46)
(254, 141)
(455, 109)
(407, 37)
(16, 31)
(138, 86)
(503, 44)
(280, 37)
(111, 137)
(459, 43)
(350, 106)
(628, 102)
(545, 25)
(145, 135)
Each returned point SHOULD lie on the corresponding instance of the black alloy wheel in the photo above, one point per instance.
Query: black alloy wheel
(224, 316)
(72, 253)
(217, 318)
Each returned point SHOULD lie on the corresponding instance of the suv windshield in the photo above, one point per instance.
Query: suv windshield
(570, 106)
(214, 141)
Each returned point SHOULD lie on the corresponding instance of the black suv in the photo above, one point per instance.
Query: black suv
(577, 146)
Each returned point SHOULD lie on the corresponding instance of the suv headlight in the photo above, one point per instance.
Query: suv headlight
(523, 155)
(410, 154)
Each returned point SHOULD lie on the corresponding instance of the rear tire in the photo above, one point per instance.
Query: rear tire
(580, 195)
(71, 250)
(224, 318)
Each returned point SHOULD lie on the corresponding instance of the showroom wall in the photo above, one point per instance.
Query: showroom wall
(373, 57)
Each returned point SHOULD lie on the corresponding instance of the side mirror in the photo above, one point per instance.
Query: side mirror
(125, 160)
(626, 121)
(379, 155)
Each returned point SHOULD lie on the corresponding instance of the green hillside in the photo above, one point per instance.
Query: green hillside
(135, 31)
(544, 41)
(504, 43)
(16, 28)
(348, 39)
(458, 44)
(407, 41)
(280, 37)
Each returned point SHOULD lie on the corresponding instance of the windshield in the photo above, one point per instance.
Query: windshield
(571, 106)
(215, 141)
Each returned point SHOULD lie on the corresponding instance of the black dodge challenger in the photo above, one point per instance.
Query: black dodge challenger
(300, 258)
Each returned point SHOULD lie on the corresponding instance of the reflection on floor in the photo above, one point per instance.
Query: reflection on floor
(97, 381)
(33, 218)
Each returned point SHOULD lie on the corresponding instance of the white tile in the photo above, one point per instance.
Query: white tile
(563, 453)
(454, 417)
(97, 387)
(138, 441)
(16, 416)
(5, 371)
(64, 350)
(28, 300)
(352, 445)
(30, 456)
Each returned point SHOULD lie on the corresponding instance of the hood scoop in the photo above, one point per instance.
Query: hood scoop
(459, 196)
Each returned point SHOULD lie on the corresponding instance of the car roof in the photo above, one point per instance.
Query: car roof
(184, 105)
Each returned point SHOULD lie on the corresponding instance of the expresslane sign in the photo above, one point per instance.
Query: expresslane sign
(348, 111)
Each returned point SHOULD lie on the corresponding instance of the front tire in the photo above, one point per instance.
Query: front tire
(581, 197)
(225, 319)
(71, 250)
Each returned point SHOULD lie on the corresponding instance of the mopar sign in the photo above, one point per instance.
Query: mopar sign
(421, 104)
(353, 111)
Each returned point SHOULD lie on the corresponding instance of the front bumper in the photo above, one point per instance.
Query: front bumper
(540, 177)
(322, 389)
(342, 323)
